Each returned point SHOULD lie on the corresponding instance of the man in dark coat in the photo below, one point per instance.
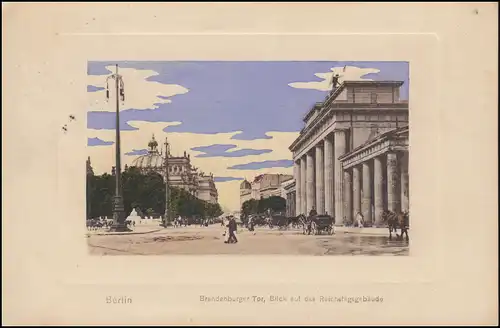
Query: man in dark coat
(232, 226)
(312, 216)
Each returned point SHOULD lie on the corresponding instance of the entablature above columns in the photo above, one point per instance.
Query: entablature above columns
(342, 118)
(368, 154)
(392, 141)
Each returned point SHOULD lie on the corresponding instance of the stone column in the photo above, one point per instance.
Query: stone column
(393, 191)
(340, 149)
(296, 175)
(405, 188)
(328, 172)
(378, 190)
(356, 191)
(320, 180)
(311, 199)
(303, 194)
(366, 202)
(293, 200)
(347, 196)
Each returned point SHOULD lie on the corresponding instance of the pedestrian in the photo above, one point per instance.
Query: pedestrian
(359, 220)
(232, 227)
(250, 224)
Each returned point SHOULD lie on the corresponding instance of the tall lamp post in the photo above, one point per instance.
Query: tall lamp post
(118, 207)
(167, 189)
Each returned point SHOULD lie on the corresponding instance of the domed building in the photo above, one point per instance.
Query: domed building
(245, 192)
(181, 173)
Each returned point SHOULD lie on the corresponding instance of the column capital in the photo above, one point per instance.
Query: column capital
(320, 144)
(392, 151)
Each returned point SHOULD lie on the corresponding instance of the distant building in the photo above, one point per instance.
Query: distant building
(245, 192)
(181, 173)
(263, 186)
(288, 193)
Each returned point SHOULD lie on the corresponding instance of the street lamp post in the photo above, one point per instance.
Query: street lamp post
(167, 190)
(118, 206)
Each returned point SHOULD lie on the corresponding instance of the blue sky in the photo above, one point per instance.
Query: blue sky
(252, 97)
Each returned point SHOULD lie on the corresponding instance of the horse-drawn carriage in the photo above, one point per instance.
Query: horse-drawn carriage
(320, 224)
(279, 220)
(258, 220)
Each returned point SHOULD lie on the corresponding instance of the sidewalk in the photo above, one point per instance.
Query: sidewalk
(365, 231)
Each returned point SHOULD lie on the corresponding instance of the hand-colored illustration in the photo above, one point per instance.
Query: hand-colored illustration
(279, 157)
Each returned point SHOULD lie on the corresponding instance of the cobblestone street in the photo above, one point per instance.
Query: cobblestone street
(209, 241)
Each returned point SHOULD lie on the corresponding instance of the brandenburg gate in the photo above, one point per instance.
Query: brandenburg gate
(352, 154)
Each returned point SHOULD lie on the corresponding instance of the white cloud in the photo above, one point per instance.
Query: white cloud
(103, 157)
(351, 73)
(139, 93)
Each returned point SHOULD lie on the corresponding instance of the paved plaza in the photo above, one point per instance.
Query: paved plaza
(154, 240)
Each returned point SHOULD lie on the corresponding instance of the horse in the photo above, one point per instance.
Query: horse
(294, 221)
(395, 221)
(306, 223)
(259, 220)
(297, 221)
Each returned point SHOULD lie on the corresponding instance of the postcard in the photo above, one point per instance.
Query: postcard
(250, 163)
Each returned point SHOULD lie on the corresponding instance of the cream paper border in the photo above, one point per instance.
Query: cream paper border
(449, 277)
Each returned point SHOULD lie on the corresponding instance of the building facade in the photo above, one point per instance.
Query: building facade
(288, 192)
(181, 173)
(377, 174)
(263, 186)
(339, 154)
(245, 192)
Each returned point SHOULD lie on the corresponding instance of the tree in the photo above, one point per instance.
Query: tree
(212, 210)
(145, 193)
(216, 210)
(250, 206)
(254, 206)
(100, 195)
(275, 203)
